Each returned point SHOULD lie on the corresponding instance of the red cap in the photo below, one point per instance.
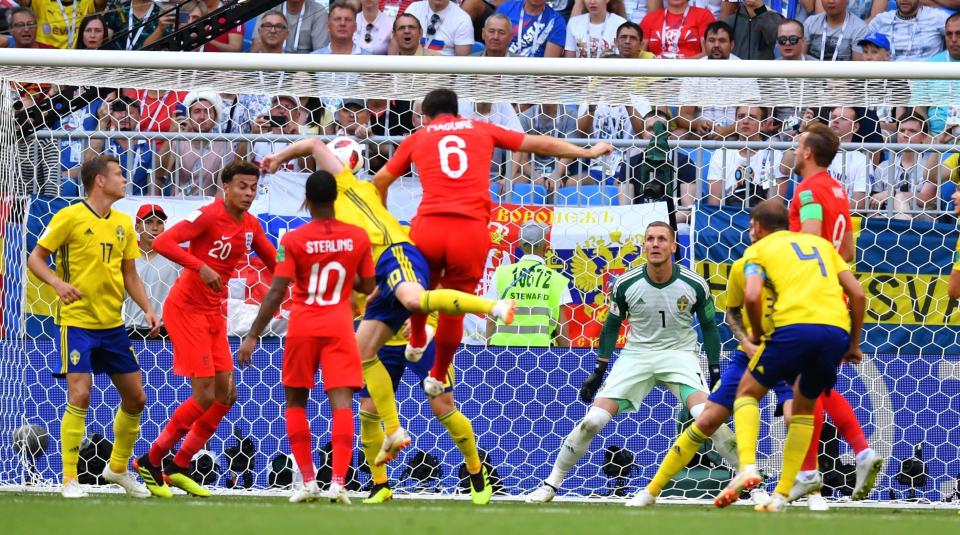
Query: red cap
(148, 210)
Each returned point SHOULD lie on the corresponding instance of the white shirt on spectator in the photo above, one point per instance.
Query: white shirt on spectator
(722, 95)
(158, 274)
(592, 40)
(916, 39)
(380, 34)
(762, 168)
(454, 27)
(852, 169)
(613, 122)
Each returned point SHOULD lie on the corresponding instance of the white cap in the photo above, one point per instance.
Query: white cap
(210, 96)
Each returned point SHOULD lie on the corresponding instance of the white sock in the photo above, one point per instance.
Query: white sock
(863, 454)
(806, 475)
(576, 444)
(725, 442)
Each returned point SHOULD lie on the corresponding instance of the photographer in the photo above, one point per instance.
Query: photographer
(194, 165)
(285, 116)
(747, 176)
(136, 157)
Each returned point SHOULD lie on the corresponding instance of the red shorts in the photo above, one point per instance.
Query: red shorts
(456, 249)
(199, 338)
(337, 357)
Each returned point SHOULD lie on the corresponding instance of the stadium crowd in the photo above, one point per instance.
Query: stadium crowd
(901, 183)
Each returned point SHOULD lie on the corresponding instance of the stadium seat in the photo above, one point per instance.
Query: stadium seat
(586, 196)
(495, 193)
(946, 191)
(528, 194)
(69, 188)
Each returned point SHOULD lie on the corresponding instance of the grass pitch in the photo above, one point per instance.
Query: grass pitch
(108, 514)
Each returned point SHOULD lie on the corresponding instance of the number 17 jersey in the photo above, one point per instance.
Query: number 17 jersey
(323, 258)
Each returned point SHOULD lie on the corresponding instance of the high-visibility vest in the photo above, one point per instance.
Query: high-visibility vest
(538, 290)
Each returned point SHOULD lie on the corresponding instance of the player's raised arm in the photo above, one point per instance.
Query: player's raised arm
(271, 302)
(397, 166)
(133, 284)
(551, 146)
(326, 160)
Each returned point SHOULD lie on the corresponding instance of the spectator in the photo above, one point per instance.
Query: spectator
(157, 108)
(500, 114)
(138, 20)
(59, 20)
(284, 116)
(136, 158)
(747, 176)
(754, 30)
(908, 178)
(374, 27)
(23, 30)
(93, 32)
(496, 36)
(306, 27)
(352, 119)
(876, 47)
(158, 272)
(833, 35)
(594, 34)
(791, 41)
(447, 28)
(194, 165)
(630, 41)
(788, 9)
(538, 31)
(851, 168)
(867, 9)
(677, 30)
(635, 10)
(714, 121)
(610, 123)
(681, 168)
(39, 158)
(273, 32)
(407, 33)
(564, 8)
(540, 292)
(231, 41)
(943, 117)
(916, 32)
(342, 25)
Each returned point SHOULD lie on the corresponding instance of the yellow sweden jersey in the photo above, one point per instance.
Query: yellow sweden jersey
(89, 250)
(736, 285)
(359, 203)
(801, 271)
(956, 257)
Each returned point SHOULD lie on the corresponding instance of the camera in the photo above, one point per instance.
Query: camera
(279, 121)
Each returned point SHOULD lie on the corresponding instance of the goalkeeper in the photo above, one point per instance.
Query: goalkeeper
(659, 299)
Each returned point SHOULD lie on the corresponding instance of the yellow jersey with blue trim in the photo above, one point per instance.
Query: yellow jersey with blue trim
(89, 250)
(359, 203)
(802, 273)
(736, 287)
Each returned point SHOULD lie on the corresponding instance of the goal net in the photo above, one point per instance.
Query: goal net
(697, 144)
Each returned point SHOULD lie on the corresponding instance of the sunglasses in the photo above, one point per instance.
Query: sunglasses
(367, 38)
(788, 40)
(432, 28)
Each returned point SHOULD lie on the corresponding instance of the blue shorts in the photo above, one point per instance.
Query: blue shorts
(106, 351)
(399, 263)
(725, 391)
(395, 363)
(809, 351)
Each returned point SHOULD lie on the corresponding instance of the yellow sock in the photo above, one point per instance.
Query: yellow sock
(746, 418)
(677, 457)
(794, 450)
(461, 431)
(126, 429)
(72, 428)
(378, 382)
(454, 302)
(371, 438)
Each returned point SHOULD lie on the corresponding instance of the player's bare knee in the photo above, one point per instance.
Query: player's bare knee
(368, 406)
(134, 402)
(712, 417)
(442, 404)
(79, 398)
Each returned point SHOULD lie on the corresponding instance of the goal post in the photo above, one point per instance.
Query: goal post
(522, 401)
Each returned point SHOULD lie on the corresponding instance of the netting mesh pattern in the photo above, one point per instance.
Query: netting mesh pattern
(522, 402)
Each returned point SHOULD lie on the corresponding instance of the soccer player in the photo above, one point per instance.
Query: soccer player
(221, 235)
(96, 249)
(719, 405)
(953, 288)
(820, 207)
(453, 155)
(402, 276)
(660, 299)
(814, 332)
(325, 259)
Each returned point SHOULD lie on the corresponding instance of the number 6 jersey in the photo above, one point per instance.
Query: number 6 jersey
(216, 240)
(323, 258)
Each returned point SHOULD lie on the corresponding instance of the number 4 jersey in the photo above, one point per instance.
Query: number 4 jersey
(453, 156)
(323, 258)
(216, 240)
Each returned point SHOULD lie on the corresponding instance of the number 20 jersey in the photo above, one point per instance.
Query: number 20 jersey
(216, 240)
(323, 258)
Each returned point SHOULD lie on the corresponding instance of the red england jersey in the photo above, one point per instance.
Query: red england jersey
(323, 258)
(676, 35)
(453, 158)
(821, 197)
(216, 240)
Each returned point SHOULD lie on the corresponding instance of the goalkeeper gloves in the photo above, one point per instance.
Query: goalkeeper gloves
(592, 384)
(714, 376)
